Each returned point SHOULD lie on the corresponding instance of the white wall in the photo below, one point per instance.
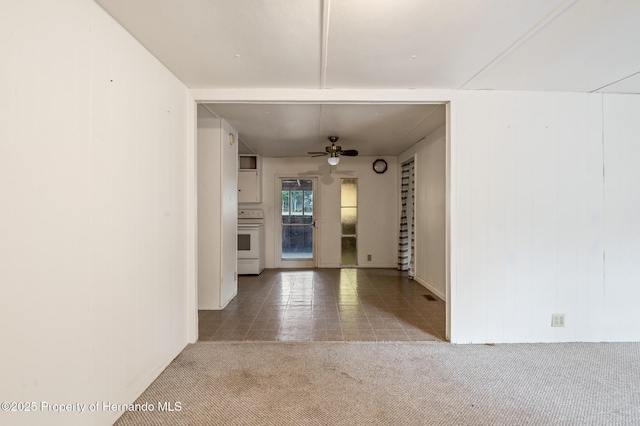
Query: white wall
(209, 210)
(229, 191)
(92, 228)
(618, 310)
(532, 217)
(217, 211)
(430, 209)
(528, 229)
(377, 214)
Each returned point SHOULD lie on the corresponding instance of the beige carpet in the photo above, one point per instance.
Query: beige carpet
(397, 383)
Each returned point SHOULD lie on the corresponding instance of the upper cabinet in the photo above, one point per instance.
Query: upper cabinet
(248, 162)
(249, 181)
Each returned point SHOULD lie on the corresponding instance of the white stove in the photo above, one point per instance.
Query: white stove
(250, 241)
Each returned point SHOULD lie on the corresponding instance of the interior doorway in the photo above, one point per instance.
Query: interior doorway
(406, 241)
(296, 198)
(238, 106)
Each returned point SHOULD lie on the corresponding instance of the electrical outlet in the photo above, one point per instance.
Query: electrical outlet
(368, 258)
(557, 320)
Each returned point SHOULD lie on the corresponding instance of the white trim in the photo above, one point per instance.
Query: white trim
(326, 11)
(376, 266)
(219, 308)
(191, 225)
(450, 215)
(367, 266)
(319, 96)
(277, 225)
(431, 288)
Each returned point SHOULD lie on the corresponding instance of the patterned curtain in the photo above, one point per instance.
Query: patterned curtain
(406, 241)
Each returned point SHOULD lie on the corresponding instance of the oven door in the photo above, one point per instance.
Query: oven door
(248, 242)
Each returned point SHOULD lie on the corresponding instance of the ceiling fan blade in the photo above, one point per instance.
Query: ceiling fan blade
(349, 152)
(319, 155)
(317, 152)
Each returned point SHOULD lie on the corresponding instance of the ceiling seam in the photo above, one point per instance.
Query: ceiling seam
(557, 11)
(205, 106)
(321, 122)
(324, 43)
(617, 81)
(417, 124)
(326, 5)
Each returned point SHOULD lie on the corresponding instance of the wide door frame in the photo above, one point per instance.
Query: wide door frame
(294, 263)
(449, 98)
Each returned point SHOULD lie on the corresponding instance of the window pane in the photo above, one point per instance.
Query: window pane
(349, 220)
(349, 253)
(297, 242)
(349, 192)
(296, 202)
(308, 203)
(285, 203)
(297, 184)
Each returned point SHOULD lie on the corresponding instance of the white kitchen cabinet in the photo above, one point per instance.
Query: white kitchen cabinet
(249, 179)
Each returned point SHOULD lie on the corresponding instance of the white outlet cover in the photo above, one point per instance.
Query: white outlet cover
(557, 320)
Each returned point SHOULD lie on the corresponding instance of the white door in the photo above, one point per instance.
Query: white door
(296, 223)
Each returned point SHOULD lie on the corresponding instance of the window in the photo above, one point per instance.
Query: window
(297, 197)
(349, 220)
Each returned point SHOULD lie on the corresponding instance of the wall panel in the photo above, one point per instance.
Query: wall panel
(93, 236)
(622, 210)
(528, 227)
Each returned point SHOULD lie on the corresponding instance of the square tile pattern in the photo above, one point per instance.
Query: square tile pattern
(328, 305)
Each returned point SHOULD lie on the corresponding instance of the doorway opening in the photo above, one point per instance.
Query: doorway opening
(234, 110)
(297, 222)
(406, 240)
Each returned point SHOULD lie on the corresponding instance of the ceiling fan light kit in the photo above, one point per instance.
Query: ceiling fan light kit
(334, 151)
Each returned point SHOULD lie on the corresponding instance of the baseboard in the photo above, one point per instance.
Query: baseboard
(209, 308)
(230, 299)
(144, 382)
(367, 265)
(217, 308)
(379, 266)
(328, 265)
(431, 288)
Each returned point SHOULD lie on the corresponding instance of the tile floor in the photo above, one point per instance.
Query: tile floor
(327, 304)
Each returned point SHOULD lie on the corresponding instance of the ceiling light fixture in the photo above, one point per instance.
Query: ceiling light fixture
(334, 152)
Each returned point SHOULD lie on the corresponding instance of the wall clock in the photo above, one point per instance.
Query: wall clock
(380, 166)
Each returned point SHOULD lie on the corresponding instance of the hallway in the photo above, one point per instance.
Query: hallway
(327, 305)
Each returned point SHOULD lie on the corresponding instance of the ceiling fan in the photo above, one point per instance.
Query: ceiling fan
(334, 151)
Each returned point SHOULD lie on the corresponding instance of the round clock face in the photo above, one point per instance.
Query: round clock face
(380, 166)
